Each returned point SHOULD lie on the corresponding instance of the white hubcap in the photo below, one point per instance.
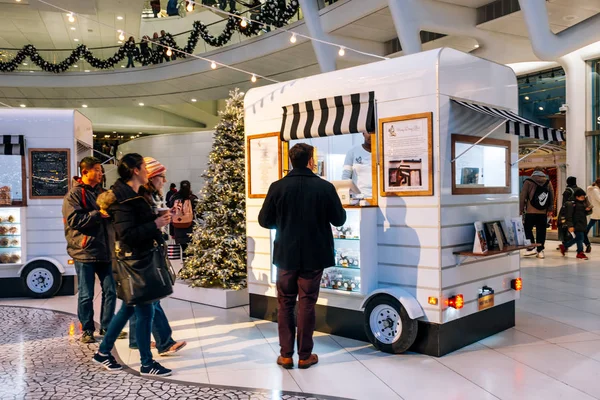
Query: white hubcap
(40, 280)
(385, 323)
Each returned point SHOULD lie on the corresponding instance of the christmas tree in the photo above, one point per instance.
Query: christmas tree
(217, 251)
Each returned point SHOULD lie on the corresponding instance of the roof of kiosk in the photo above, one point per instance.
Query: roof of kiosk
(440, 71)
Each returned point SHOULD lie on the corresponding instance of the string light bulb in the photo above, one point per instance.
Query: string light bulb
(190, 7)
(342, 51)
(244, 23)
(121, 35)
(253, 78)
(169, 52)
(213, 65)
(293, 38)
(71, 17)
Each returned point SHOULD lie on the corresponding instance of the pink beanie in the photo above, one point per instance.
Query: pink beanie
(154, 167)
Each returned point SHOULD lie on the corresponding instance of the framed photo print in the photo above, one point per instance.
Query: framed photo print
(264, 163)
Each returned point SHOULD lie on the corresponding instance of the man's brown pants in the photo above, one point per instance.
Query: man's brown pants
(305, 286)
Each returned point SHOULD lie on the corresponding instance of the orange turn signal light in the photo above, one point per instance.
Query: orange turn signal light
(457, 301)
(432, 300)
(71, 262)
(516, 284)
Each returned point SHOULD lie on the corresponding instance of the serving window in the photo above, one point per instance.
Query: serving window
(12, 173)
(480, 168)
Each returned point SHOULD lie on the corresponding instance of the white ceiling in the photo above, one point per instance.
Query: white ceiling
(468, 3)
(49, 28)
(562, 14)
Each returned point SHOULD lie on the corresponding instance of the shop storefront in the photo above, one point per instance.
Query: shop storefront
(39, 150)
(442, 162)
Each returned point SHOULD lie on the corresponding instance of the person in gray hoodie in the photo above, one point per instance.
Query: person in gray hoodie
(537, 202)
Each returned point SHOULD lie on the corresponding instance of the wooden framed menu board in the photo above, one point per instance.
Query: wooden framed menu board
(50, 173)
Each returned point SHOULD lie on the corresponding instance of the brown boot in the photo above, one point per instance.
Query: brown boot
(285, 362)
(312, 360)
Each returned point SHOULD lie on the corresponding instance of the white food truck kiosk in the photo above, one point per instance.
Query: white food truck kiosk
(443, 152)
(39, 152)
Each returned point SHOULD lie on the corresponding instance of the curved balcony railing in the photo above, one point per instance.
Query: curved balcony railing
(58, 55)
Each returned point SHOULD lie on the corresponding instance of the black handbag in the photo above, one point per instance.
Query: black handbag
(144, 279)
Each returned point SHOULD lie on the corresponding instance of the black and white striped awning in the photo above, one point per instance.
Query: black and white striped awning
(516, 124)
(339, 115)
(13, 145)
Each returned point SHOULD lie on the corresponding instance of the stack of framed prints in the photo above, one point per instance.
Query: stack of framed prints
(498, 235)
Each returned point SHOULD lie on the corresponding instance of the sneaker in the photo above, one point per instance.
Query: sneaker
(108, 362)
(155, 370)
(173, 349)
(122, 335)
(582, 256)
(529, 253)
(541, 254)
(88, 337)
(562, 249)
(588, 248)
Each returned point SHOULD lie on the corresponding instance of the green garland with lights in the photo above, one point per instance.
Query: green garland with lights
(270, 13)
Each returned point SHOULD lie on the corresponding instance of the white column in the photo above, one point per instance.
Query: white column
(406, 22)
(325, 53)
(576, 125)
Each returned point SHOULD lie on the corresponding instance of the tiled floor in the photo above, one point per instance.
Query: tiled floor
(552, 353)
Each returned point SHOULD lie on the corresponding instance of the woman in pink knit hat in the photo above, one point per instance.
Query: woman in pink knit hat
(161, 330)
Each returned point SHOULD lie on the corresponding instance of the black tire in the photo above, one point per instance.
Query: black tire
(44, 287)
(409, 326)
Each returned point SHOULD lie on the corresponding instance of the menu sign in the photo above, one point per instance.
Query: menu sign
(264, 163)
(50, 173)
(406, 152)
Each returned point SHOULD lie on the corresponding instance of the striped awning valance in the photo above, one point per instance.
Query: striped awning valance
(13, 145)
(339, 115)
(516, 124)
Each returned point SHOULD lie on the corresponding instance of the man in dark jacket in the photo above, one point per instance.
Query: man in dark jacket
(537, 201)
(87, 244)
(576, 222)
(301, 207)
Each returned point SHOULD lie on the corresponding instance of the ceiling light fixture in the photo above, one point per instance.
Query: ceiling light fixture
(76, 40)
(476, 46)
(119, 18)
(541, 108)
(121, 35)
(87, 70)
(22, 105)
(84, 105)
(293, 39)
(169, 52)
(194, 100)
(141, 104)
(72, 28)
(253, 79)
(213, 65)
(526, 97)
(342, 51)
(18, 1)
(190, 7)
(71, 18)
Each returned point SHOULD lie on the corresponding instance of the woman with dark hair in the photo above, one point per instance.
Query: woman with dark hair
(137, 230)
(131, 53)
(184, 202)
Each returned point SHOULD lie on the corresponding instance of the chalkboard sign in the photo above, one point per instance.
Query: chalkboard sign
(50, 172)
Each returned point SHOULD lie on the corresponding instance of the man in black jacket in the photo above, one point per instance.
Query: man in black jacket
(301, 207)
(87, 244)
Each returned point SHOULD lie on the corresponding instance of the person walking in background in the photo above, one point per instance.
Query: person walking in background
(88, 245)
(131, 52)
(161, 329)
(137, 230)
(301, 207)
(537, 202)
(576, 222)
(184, 206)
(170, 194)
(157, 49)
(593, 196)
(155, 5)
(568, 195)
(145, 46)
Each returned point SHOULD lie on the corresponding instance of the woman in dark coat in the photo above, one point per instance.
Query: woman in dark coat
(137, 230)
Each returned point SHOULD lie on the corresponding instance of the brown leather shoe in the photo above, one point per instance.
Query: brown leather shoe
(310, 361)
(285, 362)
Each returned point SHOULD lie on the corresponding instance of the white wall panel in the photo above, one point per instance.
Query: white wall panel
(413, 216)
(411, 256)
(45, 224)
(253, 229)
(259, 262)
(410, 276)
(479, 270)
(427, 237)
(477, 212)
(458, 235)
(259, 245)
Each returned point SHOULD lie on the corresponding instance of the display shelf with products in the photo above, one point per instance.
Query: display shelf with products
(355, 260)
(11, 251)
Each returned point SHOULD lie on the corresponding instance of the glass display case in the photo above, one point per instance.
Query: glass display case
(12, 187)
(355, 254)
(10, 236)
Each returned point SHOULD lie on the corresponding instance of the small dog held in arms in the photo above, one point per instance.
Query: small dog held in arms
(105, 200)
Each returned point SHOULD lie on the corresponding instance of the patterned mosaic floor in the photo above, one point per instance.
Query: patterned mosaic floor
(40, 358)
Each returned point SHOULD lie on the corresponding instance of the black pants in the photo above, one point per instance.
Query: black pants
(305, 286)
(540, 222)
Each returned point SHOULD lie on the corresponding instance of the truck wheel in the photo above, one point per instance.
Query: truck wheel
(388, 325)
(41, 279)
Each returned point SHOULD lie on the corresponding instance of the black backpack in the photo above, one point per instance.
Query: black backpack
(541, 196)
